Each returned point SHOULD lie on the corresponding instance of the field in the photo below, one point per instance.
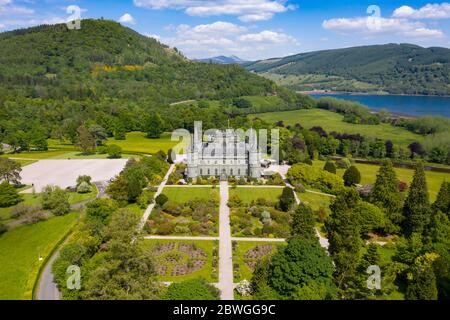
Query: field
(24, 157)
(137, 142)
(315, 201)
(369, 174)
(247, 195)
(31, 199)
(332, 121)
(22, 249)
(240, 249)
(184, 194)
(172, 258)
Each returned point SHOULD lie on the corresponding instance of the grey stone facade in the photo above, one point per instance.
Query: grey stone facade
(224, 154)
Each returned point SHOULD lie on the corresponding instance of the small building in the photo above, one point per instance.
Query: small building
(224, 154)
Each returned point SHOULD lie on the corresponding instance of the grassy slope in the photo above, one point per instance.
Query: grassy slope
(369, 173)
(247, 195)
(21, 249)
(138, 142)
(205, 272)
(331, 121)
(183, 195)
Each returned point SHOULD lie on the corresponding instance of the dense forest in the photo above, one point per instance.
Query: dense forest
(397, 69)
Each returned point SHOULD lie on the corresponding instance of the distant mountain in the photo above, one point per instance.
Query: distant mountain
(391, 68)
(223, 60)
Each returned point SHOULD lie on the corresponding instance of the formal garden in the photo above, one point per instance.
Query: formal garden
(184, 260)
(185, 211)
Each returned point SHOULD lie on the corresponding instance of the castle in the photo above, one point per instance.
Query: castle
(224, 154)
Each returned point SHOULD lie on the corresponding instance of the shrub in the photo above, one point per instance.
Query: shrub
(172, 208)
(145, 199)
(300, 188)
(330, 167)
(102, 150)
(166, 228)
(34, 217)
(371, 218)
(265, 217)
(114, 152)
(82, 179)
(56, 200)
(287, 199)
(182, 230)
(403, 186)
(8, 195)
(161, 200)
(352, 176)
(244, 288)
(315, 178)
(84, 187)
(22, 209)
(343, 163)
(234, 201)
(196, 289)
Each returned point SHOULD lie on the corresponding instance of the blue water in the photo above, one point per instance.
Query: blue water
(411, 105)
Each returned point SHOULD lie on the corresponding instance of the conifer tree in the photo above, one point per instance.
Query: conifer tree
(330, 167)
(352, 176)
(345, 241)
(287, 199)
(422, 283)
(417, 209)
(303, 223)
(386, 195)
(442, 202)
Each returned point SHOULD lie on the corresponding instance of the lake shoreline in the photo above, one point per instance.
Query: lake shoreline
(351, 93)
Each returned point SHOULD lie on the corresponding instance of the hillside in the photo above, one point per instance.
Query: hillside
(223, 60)
(397, 69)
(105, 59)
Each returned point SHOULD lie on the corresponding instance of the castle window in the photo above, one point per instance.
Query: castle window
(239, 171)
(209, 172)
(216, 172)
(201, 171)
(231, 172)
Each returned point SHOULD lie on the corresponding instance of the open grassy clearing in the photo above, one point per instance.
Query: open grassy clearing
(316, 201)
(30, 199)
(21, 249)
(369, 174)
(247, 195)
(137, 142)
(36, 155)
(185, 194)
(174, 257)
(241, 263)
(332, 121)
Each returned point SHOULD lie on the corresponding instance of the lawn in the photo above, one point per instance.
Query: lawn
(175, 258)
(316, 201)
(369, 174)
(36, 155)
(77, 155)
(21, 249)
(332, 121)
(247, 195)
(242, 270)
(30, 199)
(184, 194)
(137, 142)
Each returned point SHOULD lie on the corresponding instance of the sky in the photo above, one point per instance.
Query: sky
(251, 29)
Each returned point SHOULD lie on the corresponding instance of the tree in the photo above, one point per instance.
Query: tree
(8, 195)
(98, 133)
(195, 289)
(82, 179)
(370, 217)
(119, 131)
(114, 152)
(302, 263)
(56, 200)
(85, 140)
(84, 187)
(386, 195)
(10, 170)
(422, 283)
(345, 240)
(303, 223)
(287, 199)
(442, 202)
(161, 200)
(352, 176)
(155, 126)
(330, 167)
(417, 209)
(416, 149)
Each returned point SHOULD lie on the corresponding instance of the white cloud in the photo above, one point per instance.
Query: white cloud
(268, 37)
(379, 26)
(429, 11)
(127, 18)
(247, 10)
(7, 9)
(225, 38)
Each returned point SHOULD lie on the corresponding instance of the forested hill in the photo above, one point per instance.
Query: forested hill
(105, 59)
(394, 68)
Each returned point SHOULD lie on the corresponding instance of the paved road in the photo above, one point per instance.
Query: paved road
(225, 247)
(47, 288)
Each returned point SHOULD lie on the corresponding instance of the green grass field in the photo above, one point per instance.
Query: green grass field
(36, 155)
(184, 194)
(247, 195)
(21, 249)
(332, 121)
(315, 201)
(137, 142)
(369, 174)
(207, 272)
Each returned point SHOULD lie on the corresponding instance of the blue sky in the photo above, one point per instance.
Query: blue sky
(253, 29)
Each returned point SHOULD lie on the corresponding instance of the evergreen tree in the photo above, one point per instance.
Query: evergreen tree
(422, 283)
(386, 195)
(345, 241)
(303, 223)
(8, 195)
(442, 202)
(352, 176)
(155, 126)
(287, 199)
(417, 210)
(330, 167)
